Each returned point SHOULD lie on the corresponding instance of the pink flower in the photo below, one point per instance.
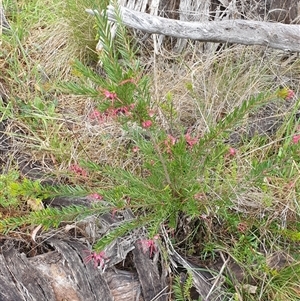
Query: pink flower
(151, 113)
(146, 124)
(190, 140)
(150, 244)
(98, 258)
(95, 197)
(135, 149)
(291, 184)
(78, 170)
(95, 114)
(113, 212)
(169, 142)
(242, 227)
(290, 95)
(286, 93)
(296, 139)
(232, 151)
(115, 112)
(110, 95)
(122, 111)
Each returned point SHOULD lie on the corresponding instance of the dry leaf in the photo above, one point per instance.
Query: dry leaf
(35, 204)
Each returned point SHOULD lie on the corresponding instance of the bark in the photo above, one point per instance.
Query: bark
(275, 35)
(20, 280)
(152, 283)
(89, 282)
(61, 274)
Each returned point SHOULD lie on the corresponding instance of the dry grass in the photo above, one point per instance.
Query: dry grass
(205, 89)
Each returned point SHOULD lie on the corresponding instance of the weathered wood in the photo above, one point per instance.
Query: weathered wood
(25, 279)
(62, 274)
(90, 284)
(275, 35)
(152, 282)
(6, 283)
(53, 268)
(123, 285)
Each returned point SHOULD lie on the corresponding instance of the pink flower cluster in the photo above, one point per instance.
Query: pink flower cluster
(146, 124)
(290, 95)
(135, 149)
(232, 151)
(95, 197)
(191, 141)
(296, 139)
(111, 113)
(78, 170)
(110, 95)
(150, 244)
(286, 93)
(171, 140)
(97, 258)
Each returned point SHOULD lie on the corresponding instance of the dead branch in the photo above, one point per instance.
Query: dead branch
(275, 35)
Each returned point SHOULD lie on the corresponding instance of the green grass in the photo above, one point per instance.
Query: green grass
(178, 172)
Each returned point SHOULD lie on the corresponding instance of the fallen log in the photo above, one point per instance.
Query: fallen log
(274, 35)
